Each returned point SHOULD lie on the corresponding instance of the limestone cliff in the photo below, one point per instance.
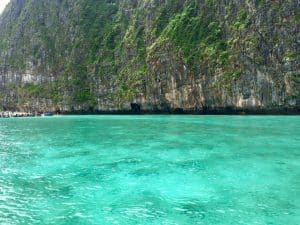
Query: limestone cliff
(162, 55)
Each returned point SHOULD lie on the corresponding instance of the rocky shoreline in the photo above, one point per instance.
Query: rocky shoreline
(177, 111)
(182, 111)
(8, 114)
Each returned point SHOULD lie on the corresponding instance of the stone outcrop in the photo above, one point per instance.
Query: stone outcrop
(152, 56)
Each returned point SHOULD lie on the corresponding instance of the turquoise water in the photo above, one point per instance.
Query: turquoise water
(150, 170)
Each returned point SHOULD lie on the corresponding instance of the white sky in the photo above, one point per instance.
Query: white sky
(3, 3)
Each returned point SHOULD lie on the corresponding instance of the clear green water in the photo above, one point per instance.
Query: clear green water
(150, 170)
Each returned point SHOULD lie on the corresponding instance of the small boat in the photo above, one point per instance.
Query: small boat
(47, 114)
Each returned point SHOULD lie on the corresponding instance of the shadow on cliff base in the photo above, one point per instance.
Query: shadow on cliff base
(137, 109)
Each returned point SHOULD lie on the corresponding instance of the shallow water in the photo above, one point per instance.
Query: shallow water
(150, 170)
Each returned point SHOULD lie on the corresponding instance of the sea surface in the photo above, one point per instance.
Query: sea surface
(158, 170)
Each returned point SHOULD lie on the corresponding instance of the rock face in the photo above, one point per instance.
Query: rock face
(158, 55)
